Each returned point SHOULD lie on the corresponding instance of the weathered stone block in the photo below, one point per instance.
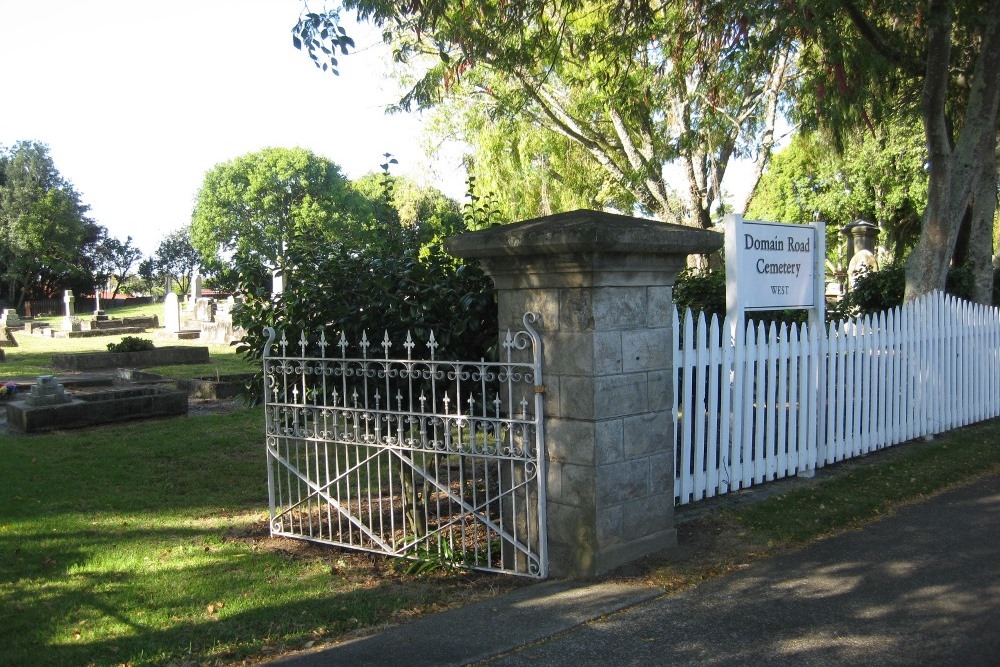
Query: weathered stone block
(569, 441)
(647, 516)
(661, 470)
(569, 354)
(647, 433)
(619, 395)
(576, 306)
(645, 350)
(609, 525)
(607, 352)
(659, 306)
(661, 390)
(619, 307)
(513, 304)
(618, 483)
(576, 397)
(577, 486)
(550, 404)
(609, 441)
(553, 479)
(571, 524)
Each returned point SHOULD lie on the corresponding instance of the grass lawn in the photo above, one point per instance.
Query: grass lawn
(33, 356)
(146, 544)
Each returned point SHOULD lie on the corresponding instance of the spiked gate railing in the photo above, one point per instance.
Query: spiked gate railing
(434, 460)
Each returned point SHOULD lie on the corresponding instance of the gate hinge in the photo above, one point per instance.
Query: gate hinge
(540, 389)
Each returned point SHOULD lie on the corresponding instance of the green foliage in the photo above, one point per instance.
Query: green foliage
(47, 240)
(131, 344)
(394, 284)
(175, 258)
(875, 291)
(252, 208)
(701, 291)
(626, 87)
(427, 211)
(114, 259)
(530, 170)
(880, 177)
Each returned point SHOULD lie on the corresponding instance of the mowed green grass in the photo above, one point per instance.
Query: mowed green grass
(33, 356)
(146, 543)
(129, 545)
(868, 492)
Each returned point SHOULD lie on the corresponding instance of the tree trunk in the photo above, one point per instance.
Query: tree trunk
(954, 169)
(984, 208)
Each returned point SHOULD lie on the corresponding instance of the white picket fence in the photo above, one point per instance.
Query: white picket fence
(783, 400)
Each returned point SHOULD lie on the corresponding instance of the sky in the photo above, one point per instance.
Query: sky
(137, 100)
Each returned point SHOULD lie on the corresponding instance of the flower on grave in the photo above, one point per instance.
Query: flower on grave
(7, 390)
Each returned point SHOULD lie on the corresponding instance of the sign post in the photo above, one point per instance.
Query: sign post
(778, 266)
(774, 266)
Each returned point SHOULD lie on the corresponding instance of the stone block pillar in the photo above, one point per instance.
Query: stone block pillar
(603, 285)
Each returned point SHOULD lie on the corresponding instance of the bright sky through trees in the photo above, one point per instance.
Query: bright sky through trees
(137, 100)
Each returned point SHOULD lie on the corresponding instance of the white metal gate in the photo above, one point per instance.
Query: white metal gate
(439, 461)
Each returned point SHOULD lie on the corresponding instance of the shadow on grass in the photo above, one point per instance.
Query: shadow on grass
(180, 594)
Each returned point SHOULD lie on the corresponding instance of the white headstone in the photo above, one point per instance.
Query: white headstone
(172, 313)
(9, 318)
(68, 299)
(196, 287)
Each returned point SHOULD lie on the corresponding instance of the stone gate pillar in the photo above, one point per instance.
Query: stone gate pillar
(603, 285)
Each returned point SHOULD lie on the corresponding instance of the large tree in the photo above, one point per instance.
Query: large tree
(636, 88)
(250, 209)
(114, 259)
(877, 176)
(175, 258)
(46, 237)
(939, 59)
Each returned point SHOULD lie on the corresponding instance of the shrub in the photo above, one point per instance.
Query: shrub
(876, 291)
(131, 344)
(394, 286)
(701, 290)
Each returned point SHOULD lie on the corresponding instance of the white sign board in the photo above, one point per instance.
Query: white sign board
(774, 266)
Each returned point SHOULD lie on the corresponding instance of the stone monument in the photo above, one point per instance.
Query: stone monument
(10, 319)
(47, 391)
(171, 313)
(195, 287)
(70, 321)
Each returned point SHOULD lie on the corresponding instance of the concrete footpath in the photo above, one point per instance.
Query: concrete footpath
(919, 588)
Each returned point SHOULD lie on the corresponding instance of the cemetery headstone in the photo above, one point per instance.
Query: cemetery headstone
(9, 318)
(196, 287)
(172, 313)
(47, 391)
(70, 322)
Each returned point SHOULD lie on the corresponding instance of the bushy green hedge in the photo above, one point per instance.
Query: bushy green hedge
(394, 286)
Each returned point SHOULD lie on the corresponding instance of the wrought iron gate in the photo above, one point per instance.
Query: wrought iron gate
(426, 459)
